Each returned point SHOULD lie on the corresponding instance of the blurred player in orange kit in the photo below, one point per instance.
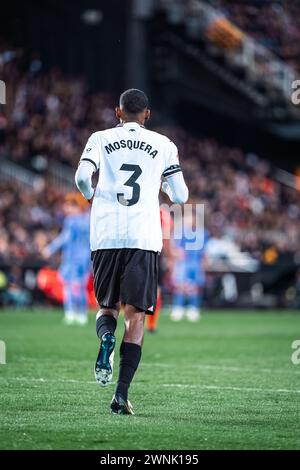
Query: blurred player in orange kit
(165, 263)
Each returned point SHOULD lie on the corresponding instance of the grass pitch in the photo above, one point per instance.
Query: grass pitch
(225, 383)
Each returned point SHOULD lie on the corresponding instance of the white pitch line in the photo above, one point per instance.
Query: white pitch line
(188, 366)
(224, 368)
(231, 388)
(41, 380)
(171, 385)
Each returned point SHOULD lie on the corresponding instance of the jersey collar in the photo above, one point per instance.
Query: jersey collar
(130, 124)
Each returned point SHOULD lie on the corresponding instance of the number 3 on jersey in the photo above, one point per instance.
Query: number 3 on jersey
(131, 182)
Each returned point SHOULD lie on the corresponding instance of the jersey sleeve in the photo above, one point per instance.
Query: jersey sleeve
(91, 152)
(172, 165)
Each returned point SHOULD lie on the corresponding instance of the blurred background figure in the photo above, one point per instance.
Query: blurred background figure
(166, 264)
(189, 273)
(73, 242)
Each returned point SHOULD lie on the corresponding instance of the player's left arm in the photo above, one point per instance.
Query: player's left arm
(174, 185)
(176, 189)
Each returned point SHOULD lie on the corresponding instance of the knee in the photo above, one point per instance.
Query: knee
(113, 311)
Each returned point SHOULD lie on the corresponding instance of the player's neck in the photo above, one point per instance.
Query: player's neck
(138, 121)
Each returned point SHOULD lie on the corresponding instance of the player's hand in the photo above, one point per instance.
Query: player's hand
(164, 187)
(45, 253)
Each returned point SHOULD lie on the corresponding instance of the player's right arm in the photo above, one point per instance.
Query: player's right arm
(88, 164)
(174, 185)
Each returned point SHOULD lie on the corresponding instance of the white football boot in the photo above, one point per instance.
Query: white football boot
(81, 319)
(177, 313)
(69, 318)
(193, 314)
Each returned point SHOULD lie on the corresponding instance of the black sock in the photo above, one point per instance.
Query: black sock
(130, 356)
(105, 324)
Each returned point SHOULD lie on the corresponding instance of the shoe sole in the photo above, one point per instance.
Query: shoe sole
(121, 413)
(104, 366)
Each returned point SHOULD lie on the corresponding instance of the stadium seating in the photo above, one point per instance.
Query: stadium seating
(50, 117)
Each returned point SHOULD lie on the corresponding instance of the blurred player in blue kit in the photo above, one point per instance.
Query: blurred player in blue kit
(73, 242)
(189, 274)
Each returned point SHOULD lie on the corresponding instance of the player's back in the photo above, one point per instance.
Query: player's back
(125, 210)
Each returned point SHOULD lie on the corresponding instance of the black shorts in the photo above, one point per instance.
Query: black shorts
(128, 275)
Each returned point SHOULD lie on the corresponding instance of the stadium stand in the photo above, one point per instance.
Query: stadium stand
(49, 119)
(272, 24)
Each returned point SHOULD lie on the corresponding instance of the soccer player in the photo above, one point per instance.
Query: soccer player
(75, 267)
(189, 278)
(125, 232)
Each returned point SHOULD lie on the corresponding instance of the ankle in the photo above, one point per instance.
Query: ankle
(122, 390)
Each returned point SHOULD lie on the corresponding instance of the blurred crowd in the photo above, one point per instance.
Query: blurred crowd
(50, 116)
(28, 220)
(274, 24)
(242, 200)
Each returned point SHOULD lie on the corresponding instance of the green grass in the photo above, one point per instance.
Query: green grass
(225, 383)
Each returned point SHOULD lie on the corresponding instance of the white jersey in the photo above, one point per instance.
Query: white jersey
(125, 210)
